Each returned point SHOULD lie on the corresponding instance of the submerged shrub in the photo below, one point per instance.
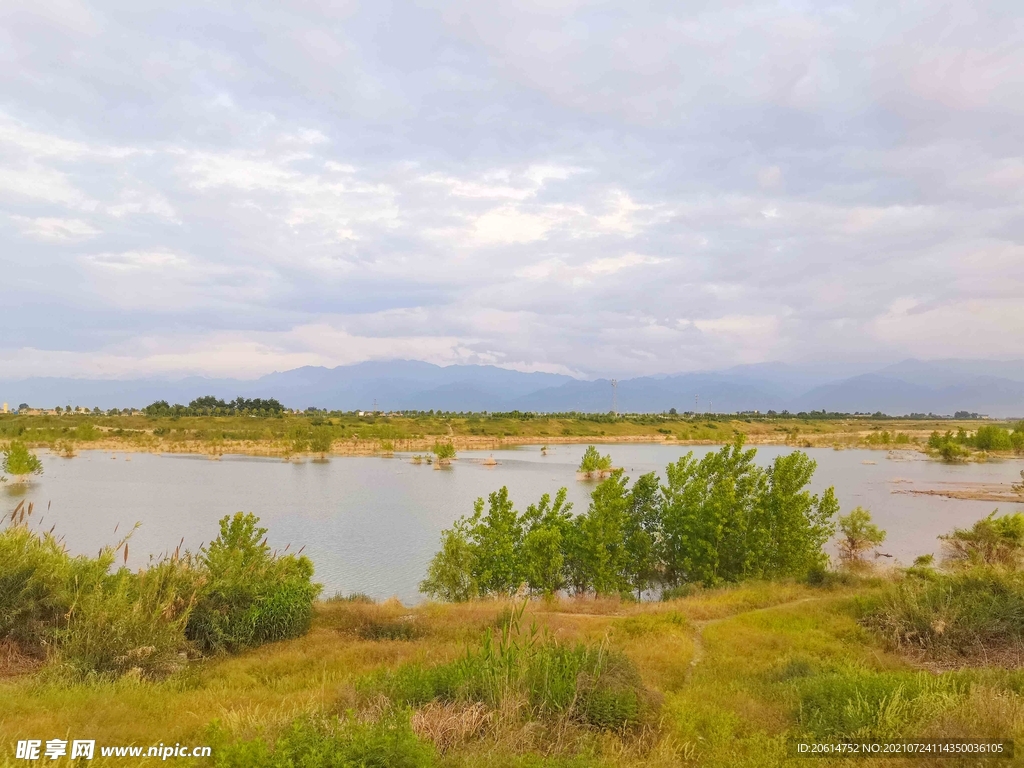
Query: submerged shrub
(250, 596)
(334, 743)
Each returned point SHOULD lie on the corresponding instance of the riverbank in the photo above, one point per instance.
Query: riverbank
(733, 676)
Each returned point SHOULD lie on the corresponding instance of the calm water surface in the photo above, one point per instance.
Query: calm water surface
(371, 524)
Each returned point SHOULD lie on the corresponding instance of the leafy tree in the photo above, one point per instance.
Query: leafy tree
(547, 532)
(643, 533)
(497, 542)
(450, 575)
(20, 462)
(594, 463)
(444, 452)
(707, 507)
(858, 535)
(320, 439)
(600, 551)
(790, 526)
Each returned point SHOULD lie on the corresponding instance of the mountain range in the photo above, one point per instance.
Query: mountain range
(994, 388)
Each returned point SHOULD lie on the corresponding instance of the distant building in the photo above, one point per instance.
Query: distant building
(5, 408)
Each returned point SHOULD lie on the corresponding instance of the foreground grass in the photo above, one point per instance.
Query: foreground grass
(734, 672)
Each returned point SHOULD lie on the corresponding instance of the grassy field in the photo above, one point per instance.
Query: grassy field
(732, 675)
(297, 434)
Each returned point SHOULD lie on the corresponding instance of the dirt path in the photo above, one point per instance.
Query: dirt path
(699, 648)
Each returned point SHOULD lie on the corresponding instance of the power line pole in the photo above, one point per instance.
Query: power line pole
(615, 397)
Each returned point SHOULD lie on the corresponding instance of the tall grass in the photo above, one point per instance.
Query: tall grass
(345, 742)
(527, 670)
(87, 616)
(968, 612)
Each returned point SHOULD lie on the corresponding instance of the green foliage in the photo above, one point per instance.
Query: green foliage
(250, 596)
(450, 575)
(345, 742)
(992, 541)
(720, 519)
(726, 519)
(320, 439)
(857, 703)
(88, 618)
(20, 461)
(593, 463)
(858, 535)
(85, 618)
(589, 684)
(992, 438)
(964, 612)
(443, 451)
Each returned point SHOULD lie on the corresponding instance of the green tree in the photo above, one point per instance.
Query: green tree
(593, 463)
(20, 462)
(600, 553)
(992, 541)
(547, 531)
(857, 535)
(790, 525)
(497, 542)
(444, 452)
(707, 507)
(320, 439)
(450, 575)
(643, 534)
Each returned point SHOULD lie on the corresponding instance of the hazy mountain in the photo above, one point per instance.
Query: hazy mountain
(943, 386)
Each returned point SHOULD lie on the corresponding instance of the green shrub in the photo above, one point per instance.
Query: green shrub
(20, 461)
(991, 541)
(590, 684)
(250, 596)
(129, 621)
(961, 613)
(859, 703)
(334, 743)
(87, 619)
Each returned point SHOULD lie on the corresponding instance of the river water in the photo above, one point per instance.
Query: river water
(371, 524)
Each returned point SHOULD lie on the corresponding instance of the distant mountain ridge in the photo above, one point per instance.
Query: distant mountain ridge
(995, 388)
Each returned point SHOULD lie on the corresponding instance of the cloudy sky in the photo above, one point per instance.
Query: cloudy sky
(595, 188)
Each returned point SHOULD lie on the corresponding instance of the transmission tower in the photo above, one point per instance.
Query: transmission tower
(615, 397)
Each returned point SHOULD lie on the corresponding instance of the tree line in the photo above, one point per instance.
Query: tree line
(721, 518)
(212, 406)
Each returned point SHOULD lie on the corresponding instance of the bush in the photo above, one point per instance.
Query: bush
(858, 703)
(858, 535)
(250, 596)
(87, 619)
(589, 684)
(962, 613)
(992, 541)
(334, 743)
(593, 463)
(20, 461)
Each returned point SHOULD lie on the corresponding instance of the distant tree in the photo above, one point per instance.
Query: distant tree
(593, 463)
(444, 452)
(20, 462)
(857, 535)
(23, 407)
(320, 439)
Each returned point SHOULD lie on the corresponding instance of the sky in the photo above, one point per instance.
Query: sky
(591, 188)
